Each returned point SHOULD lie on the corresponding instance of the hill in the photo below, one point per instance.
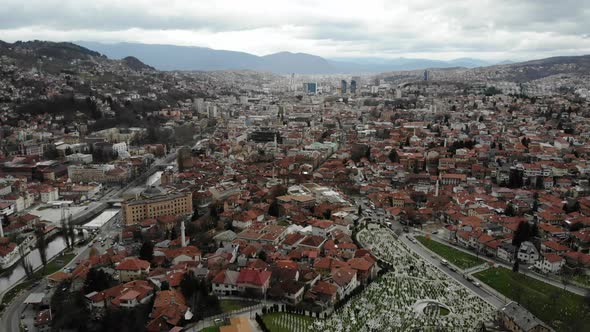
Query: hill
(171, 57)
(135, 64)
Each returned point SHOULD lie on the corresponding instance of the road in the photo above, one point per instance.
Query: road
(11, 318)
(490, 296)
(522, 270)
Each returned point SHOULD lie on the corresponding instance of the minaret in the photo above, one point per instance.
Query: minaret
(182, 237)
(445, 142)
(436, 190)
(1, 229)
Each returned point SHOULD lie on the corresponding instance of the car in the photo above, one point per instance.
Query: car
(22, 316)
(477, 284)
(434, 232)
(444, 262)
(469, 278)
(452, 268)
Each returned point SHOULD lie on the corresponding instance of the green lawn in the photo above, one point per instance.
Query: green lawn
(14, 291)
(285, 322)
(231, 305)
(561, 309)
(582, 279)
(459, 258)
(55, 265)
(211, 329)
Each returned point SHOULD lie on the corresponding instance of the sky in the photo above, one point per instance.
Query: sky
(434, 29)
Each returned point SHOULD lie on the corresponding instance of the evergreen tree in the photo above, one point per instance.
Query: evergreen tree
(147, 251)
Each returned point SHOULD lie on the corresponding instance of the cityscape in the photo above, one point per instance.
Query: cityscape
(164, 186)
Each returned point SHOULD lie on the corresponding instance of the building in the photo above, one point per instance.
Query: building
(343, 87)
(119, 147)
(528, 253)
(353, 87)
(310, 88)
(98, 173)
(515, 318)
(426, 75)
(79, 158)
(550, 263)
(133, 269)
(155, 202)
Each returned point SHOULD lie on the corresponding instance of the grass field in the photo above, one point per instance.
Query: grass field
(211, 329)
(231, 305)
(561, 309)
(55, 265)
(459, 258)
(285, 322)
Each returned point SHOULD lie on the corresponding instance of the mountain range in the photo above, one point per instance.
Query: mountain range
(172, 57)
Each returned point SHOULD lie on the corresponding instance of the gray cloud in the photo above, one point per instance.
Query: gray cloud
(492, 28)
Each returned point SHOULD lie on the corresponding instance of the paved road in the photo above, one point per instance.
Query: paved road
(11, 317)
(491, 297)
(522, 270)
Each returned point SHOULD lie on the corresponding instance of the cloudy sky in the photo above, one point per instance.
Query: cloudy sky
(487, 29)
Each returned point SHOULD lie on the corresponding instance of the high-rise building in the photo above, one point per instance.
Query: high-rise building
(343, 86)
(353, 87)
(426, 75)
(310, 88)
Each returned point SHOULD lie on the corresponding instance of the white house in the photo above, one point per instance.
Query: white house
(49, 194)
(6, 208)
(550, 263)
(226, 283)
(506, 252)
(528, 253)
(120, 147)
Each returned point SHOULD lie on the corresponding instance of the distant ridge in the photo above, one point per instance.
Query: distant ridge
(171, 57)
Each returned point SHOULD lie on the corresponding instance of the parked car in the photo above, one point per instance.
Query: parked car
(444, 262)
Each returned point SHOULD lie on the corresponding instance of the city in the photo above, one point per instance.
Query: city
(437, 198)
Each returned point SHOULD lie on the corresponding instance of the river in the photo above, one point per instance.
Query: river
(15, 273)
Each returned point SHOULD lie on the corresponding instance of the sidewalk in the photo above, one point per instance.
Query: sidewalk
(571, 288)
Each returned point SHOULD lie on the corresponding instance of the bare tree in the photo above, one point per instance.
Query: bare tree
(71, 231)
(25, 262)
(64, 231)
(41, 246)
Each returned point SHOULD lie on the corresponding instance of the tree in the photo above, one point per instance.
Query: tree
(41, 245)
(188, 287)
(64, 231)
(393, 156)
(262, 255)
(521, 235)
(97, 280)
(165, 286)
(147, 251)
(27, 267)
(273, 209)
(510, 210)
(69, 310)
(71, 231)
